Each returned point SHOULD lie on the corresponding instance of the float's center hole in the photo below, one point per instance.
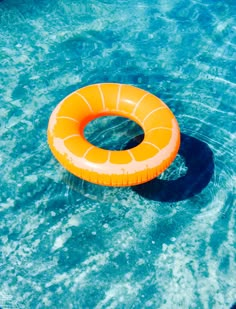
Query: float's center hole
(112, 132)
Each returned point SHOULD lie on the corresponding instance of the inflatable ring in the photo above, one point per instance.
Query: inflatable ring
(107, 167)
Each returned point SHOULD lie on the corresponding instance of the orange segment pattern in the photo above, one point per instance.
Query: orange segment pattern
(74, 107)
(77, 146)
(65, 127)
(97, 155)
(144, 151)
(160, 137)
(93, 96)
(110, 93)
(129, 97)
(159, 118)
(113, 168)
(147, 105)
(120, 157)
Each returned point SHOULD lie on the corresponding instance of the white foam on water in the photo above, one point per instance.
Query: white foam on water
(10, 203)
(61, 240)
(119, 293)
(74, 220)
(116, 229)
(58, 278)
(98, 259)
(188, 275)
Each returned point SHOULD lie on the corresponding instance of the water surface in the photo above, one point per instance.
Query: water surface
(65, 243)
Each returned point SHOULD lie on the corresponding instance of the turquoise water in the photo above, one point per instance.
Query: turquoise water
(65, 243)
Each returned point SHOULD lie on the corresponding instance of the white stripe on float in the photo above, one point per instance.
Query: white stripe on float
(85, 100)
(118, 96)
(139, 101)
(102, 96)
(87, 151)
(155, 146)
(153, 111)
(69, 118)
(158, 128)
(68, 137)
(109, 156)
(132, 156)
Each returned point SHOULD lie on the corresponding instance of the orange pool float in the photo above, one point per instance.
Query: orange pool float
(108, 167)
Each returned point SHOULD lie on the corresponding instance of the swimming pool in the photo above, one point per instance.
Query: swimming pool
(65, 243)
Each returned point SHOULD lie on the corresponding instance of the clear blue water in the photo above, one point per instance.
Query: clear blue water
(170, 243)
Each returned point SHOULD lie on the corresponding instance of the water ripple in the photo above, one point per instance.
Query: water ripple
(65, 243)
